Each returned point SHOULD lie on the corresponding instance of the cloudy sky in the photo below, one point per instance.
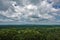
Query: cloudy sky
(29, 11)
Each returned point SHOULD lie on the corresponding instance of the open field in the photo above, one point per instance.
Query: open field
(30, 33)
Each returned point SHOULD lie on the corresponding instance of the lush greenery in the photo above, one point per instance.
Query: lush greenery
(34, 33)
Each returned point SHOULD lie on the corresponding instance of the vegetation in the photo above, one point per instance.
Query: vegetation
(34, 33)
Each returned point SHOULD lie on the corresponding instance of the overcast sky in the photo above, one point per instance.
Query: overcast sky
(29, 12)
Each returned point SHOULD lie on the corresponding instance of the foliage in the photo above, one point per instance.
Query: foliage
(33, 33)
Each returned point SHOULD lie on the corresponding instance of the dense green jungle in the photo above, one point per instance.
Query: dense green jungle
(29, 32)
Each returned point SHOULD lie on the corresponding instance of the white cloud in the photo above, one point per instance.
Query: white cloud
(30, 6)
(29, 11)
(5, 20)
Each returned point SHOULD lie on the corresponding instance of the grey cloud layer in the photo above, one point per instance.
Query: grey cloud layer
(28, 10)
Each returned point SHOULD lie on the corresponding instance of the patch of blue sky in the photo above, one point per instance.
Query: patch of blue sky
(57, 6)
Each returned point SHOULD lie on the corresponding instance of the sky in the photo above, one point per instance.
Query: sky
(29, 12)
